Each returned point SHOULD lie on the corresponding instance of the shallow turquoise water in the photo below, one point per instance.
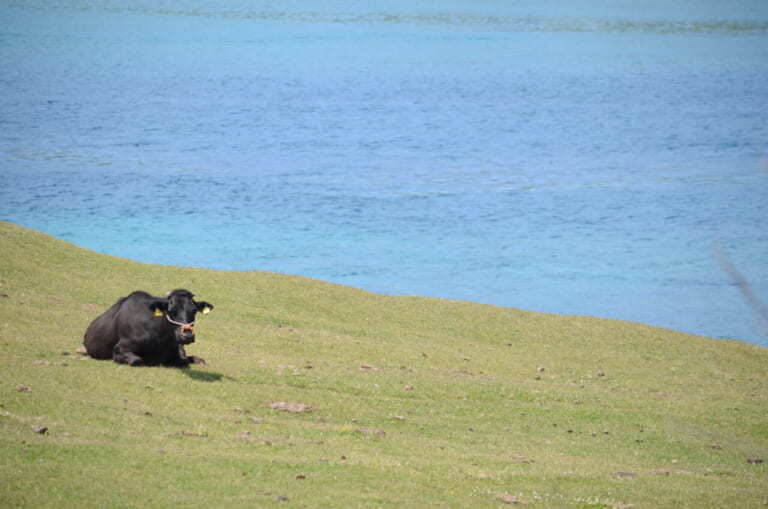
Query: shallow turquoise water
(579, 157)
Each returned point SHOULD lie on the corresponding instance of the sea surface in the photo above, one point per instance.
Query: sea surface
(588, 157)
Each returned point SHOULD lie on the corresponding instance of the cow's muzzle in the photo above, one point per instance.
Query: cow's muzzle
(185, 334)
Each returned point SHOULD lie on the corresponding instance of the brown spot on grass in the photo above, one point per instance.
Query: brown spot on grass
(522, 459)
(246, 436)
(509, 499)
(196, 434)
(295, 408)
(373, 432)
(49, 363)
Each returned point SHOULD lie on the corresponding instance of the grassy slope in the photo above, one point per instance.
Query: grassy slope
(417, 402)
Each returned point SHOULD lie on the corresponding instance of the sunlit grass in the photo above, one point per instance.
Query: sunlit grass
(414, 402)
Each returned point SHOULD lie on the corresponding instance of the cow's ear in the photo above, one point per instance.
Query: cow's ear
(204, 307)
(158, 306)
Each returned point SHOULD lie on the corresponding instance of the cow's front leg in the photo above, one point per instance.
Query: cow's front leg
(124, 356)
(178, 358)
(185, 360)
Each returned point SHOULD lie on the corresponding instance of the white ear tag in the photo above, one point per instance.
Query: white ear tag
(206, 310)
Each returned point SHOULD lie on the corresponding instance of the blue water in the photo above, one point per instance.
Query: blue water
(580, 157)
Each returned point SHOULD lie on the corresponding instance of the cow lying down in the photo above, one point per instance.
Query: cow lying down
(142, 330)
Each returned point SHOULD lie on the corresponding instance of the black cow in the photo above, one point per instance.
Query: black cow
(144, 330)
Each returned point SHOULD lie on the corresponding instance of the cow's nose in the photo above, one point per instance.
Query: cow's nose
(187, 332)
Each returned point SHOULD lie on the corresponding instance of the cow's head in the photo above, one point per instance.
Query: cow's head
(179, 310)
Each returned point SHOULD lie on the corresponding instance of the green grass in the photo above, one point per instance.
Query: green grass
(416, 402)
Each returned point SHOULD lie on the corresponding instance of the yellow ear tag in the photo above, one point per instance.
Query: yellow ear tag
(206, 310)
(158, 312)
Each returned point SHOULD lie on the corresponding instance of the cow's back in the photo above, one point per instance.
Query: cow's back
(101, 335)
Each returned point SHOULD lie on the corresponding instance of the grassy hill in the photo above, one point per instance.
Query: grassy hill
(414, 402)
